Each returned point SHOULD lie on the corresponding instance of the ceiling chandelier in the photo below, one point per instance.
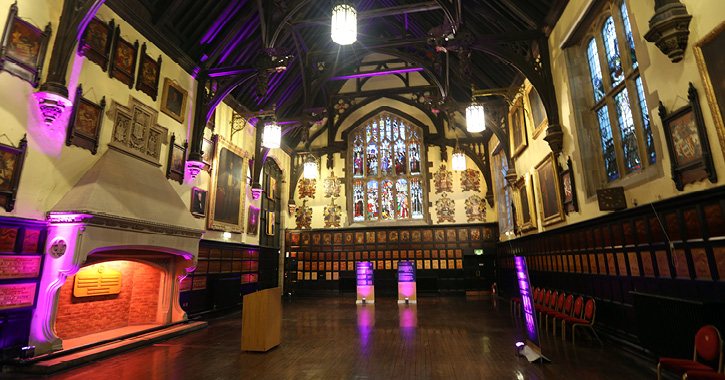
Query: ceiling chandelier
(459, 159)
(344, 24)
(475, 117)
(272, 136)
(310, 167)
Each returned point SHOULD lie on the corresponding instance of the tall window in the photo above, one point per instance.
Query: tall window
(617, 97)
(503, 191)
(387, 180)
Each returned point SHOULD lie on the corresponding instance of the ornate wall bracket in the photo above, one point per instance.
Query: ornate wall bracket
(669, 28)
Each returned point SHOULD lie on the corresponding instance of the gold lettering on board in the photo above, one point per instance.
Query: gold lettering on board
(97, 280)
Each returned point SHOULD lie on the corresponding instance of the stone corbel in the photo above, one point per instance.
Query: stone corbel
(669, 28)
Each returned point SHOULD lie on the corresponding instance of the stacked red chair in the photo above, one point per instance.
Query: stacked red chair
(558, 309)
(708, 348)
(703, 375)
(568, 308)
(576, 313)
(549, 307)
(586, 320)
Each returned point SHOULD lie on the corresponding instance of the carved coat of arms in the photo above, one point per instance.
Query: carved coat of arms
(470, 180)
(331, 186)
(475, 209)
(443, 180)
(307, 187)
(446, 209)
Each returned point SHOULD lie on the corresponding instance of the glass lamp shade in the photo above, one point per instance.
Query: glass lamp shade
(344, 24)
(475, 118)
(272, 136)
(310, 168)
(459, 160)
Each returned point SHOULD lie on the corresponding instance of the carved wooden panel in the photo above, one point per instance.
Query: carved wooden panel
(135, 131)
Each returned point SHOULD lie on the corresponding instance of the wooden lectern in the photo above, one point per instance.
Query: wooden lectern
(262, 320)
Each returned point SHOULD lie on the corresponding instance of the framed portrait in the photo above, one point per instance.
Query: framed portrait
(538, 112)
(710, 61)
(123, 59)
(568, 188)
(207, 153)
(177, 161)
(11, 165)
(549, 192)
(228, 188)
(95, 43)
(525, 206)
(517, 128)
(173, 101)
(253, 221)
(687, 143)
(84, 125)
(271, 187)
(23, 48)
(148, 74)
(270, 218)
(198, 202)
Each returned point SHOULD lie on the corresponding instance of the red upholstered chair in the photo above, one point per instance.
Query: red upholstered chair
(576, 313)
(586, 320)
(549, 307)
(708, 347)
(568, 307)
(703, 375)
(557, 309)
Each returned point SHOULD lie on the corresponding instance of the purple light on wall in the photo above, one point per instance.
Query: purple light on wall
(527, 302)
(63, 217)
(378, 73)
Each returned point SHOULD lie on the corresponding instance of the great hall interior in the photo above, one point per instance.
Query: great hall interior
(362, 189)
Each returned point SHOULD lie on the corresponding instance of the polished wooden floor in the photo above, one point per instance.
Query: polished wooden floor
(333, 338)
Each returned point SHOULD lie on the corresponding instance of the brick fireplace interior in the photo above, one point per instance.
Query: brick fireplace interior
(136, 304)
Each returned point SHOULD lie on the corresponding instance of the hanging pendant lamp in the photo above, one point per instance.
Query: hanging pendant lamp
(344, 24)
(459, 159)
(272, 136)
(310, 168)
(475, 117)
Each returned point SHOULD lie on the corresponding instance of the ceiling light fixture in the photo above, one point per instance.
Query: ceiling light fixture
(459, 158)
(272, 136)
(310, 167)
(475, 117)
(344, 24)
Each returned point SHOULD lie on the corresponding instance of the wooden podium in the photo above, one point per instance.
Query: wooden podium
(262, 320)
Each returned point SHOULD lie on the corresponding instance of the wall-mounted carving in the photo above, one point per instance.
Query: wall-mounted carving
(475, 209)
(135, 131)
(446, 209)
(23, 48)
(471, 180)
(443, 180)
(669, 28)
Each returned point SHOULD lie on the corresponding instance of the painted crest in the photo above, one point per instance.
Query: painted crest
(331, 186)
(332, 215)
(445, 208)
(303, 217)
(443, 180)
(307, 188)
(475, 209)
(470, 180)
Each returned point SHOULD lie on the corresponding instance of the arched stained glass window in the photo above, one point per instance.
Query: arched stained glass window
(612, 50)
(388, 181)
(595, 70)
(619, 108)
(628, 33)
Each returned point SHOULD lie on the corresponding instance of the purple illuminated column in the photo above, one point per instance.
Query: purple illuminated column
(406, 282)
(527, 302)
(365, 286)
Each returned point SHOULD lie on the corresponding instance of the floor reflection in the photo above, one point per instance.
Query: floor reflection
(408, 314)
(365, 325)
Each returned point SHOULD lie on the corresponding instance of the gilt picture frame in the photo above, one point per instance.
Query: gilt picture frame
(568, 188)
(198, 202)
(525, 205)
(517, 128)
(84, 125)
(23, 48)
(687, 143)
(710, 61)
(123, 59)
(207, 156)
(176, 163)
(537, 112)
(12, 160)
(228, 187)
(173, 100)
(148, 74)
(549, 198)
(96, 42)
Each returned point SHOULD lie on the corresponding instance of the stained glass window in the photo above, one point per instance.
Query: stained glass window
(628, 34)
(648, 141)
(505, 218)
(614, 61)
(626, 128)
(357, 201)
(372, 196)
(392, 166)
(610, 156)
(595, 70)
